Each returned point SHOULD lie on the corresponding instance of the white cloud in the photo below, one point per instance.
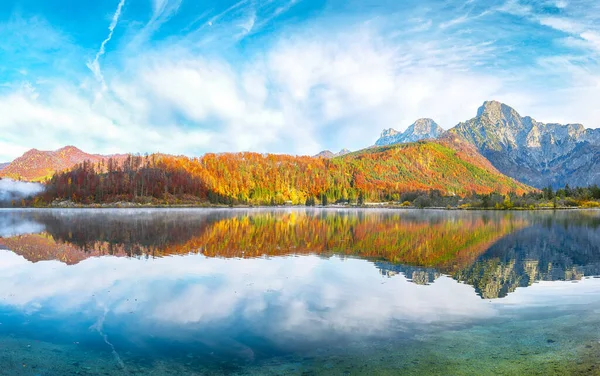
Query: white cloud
(177, 101)
(516, 7)
(561, 24)
(561, 4)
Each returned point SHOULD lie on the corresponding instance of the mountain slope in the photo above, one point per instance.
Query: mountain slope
(36, 165)
(535, 153)
(451, 166)
(4, 165)
(420, 130)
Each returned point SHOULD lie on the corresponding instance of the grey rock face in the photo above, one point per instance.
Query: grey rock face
(419, 130)
(532, 152)
(329, 154)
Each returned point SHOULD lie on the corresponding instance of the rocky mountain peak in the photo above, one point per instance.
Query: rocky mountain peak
(421, 129)
(536, 153)
(390, 132)
(424, 126)
(497, 112)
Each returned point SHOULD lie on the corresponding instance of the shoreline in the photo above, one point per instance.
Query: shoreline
(365, 207)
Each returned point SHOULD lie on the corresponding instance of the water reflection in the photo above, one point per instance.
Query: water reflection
(495, 252)
(212, 289)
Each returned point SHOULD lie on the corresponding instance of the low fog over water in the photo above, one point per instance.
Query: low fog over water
(16, 190)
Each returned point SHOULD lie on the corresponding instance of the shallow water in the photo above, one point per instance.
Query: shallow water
(304, 291)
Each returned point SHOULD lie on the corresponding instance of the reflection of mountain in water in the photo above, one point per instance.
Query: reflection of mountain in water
(561, 248)
(547, 251)
(420, 276)
(495, 252)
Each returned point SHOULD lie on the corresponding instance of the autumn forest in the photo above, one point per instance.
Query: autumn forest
(375, 174)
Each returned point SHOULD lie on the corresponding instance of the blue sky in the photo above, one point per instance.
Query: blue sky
(282, 76)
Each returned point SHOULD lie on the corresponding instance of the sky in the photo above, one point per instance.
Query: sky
(283, 76)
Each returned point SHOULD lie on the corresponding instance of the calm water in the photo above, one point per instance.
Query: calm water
(299, 292)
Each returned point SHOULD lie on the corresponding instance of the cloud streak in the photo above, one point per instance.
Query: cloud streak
(94, 65)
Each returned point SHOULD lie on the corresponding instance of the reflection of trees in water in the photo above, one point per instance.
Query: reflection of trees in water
(132, 235)
(72, 236)
(418, 240)
(433, 239)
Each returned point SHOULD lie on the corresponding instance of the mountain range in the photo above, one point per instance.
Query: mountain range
(531, 152)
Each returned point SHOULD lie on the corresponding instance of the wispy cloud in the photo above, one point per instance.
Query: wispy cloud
(248, 24)
(455, 21)
(232, 8)
(515, 7)
(94, 65)
(162, 12)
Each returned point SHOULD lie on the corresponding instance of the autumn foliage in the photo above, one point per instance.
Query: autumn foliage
(398, 238)
(375, 174)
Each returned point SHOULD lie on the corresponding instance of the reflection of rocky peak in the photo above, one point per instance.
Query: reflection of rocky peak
(420, 276)
(419, 130)
(544, 252)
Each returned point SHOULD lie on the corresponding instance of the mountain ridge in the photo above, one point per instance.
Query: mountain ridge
(39, 165)
(421, 129)
(536, 153)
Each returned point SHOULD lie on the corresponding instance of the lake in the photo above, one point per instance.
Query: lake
(299, 292)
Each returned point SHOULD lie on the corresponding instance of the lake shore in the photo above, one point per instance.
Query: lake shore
(367, 206)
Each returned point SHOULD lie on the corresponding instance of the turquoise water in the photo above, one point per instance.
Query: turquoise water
(299, 292)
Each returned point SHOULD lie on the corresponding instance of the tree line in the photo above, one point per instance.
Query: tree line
(378, 175)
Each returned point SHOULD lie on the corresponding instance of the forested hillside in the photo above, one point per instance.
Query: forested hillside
(375, 174)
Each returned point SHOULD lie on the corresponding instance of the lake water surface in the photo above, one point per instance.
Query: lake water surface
(299, 292)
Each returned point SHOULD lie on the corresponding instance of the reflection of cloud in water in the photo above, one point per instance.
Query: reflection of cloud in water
(307, 296)
(10, 225)
(301, 297)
